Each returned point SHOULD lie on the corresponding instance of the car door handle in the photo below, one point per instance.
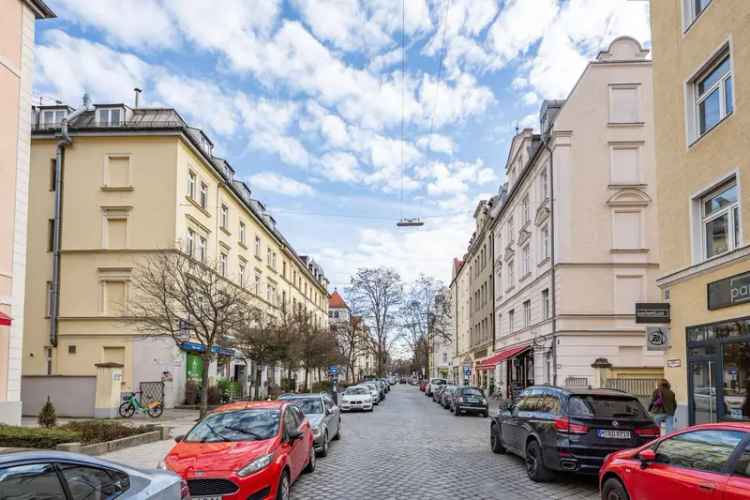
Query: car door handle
(707, 486)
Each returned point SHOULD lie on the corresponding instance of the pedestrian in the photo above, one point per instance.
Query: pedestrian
(663, 405)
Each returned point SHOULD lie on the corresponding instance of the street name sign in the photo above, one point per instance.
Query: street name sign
(652, 312)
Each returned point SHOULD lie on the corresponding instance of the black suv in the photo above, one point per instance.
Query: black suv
(572, 430)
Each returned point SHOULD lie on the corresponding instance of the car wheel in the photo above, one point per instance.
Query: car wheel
(535, 467)
(613, 489)
(283, 493)
(496, 440)
(311, 461)
(457, 413)
(486, 414)
(338, 432)
(324, 449)
(372, 408)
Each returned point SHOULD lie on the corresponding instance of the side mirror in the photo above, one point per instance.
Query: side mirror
(179, 438)
(294, 435)
(646, 456)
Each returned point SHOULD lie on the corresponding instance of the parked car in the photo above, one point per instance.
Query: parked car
(245, 450)
(572, 430)
(402, 380)
(381, 388)
(47, 474)
(469, 400)
(703, 461)
(445, 395)
(357, 397)
(374, 390)
(423, 386)
(437, 392)
(433, 384)
(324, 417)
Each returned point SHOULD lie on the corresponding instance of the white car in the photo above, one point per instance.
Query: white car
(374, 391)
(357, 397)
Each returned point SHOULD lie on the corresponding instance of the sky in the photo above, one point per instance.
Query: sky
(308, 100)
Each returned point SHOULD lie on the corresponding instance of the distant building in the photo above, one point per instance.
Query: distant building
(339, 314)
(17, 26)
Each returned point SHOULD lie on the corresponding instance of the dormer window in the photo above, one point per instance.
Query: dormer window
(53, 117)
(110, 116)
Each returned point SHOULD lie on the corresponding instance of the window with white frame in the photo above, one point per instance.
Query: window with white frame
(623, 164)
(257, 283)
(525, 210)
(499, 283)
(720, 220)
(243, 233)
(269, 293)
(257, 246)
(53, 117)
(712, 94)
(691, 9)
(525, 261)
(268, 257)
(511, 320)
(190, 243)
(543, 189)
(510, 273)
(223, 263)
(545, 303)
(545, 246)
(204, 195)
(110, 116)
(191, 184)
(510, 229)
(242, 275)
(526, 313)
(202, 249)
(224, 217)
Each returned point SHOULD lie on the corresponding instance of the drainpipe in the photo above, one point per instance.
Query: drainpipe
(54, 298)
(552, 256)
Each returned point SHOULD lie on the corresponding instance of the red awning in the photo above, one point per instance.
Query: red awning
(509, 352)
(5, 320)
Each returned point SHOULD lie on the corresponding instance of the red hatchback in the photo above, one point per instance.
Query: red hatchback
(248, 451)
(708, 461)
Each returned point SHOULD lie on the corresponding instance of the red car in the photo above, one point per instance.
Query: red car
(248, 451)
(700, 462)
(423, 385)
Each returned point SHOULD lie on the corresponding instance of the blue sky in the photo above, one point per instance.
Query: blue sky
(305, 98)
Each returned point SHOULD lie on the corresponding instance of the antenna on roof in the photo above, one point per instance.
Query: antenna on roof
(137, 95)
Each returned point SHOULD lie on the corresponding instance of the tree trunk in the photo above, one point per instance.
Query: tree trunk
(258, 380)
(307, 372)
(204, 386)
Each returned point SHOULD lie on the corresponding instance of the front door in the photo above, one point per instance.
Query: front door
(704, 378)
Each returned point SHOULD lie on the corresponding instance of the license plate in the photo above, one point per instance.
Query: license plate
(207, 498)
(610, 434)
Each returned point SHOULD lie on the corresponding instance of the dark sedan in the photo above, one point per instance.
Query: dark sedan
(572, 430)
(469, 400)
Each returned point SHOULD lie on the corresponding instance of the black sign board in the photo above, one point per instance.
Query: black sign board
(729, 291)
(655, 312)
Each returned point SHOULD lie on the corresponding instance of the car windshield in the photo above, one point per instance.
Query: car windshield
(437, 381)
(309, 406)
(244, 425)
(473, 392)
(605, 407)
(356, 391)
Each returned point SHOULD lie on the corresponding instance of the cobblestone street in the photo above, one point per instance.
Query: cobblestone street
(410, 448)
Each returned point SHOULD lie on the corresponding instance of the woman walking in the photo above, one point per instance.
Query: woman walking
(663, 405)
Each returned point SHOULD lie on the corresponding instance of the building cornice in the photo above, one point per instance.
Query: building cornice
(695, 270)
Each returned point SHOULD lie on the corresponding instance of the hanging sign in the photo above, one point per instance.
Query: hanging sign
(652, 312)
(657, 338)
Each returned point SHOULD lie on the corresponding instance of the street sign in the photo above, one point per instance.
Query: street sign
(729, 291)
(333, 370)
(657, 338)
(655, 312)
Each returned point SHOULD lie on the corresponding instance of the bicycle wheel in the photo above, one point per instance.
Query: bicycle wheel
(126, 409)
(155, 411)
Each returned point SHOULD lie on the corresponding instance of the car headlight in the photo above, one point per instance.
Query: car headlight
(255, 465)
(316, 431)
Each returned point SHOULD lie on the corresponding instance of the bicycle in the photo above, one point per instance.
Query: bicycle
(127, 409)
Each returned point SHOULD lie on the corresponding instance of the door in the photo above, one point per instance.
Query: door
(294, 447)
(689, 465)
(332, 416)
(703, 382)
(738, 485)
(513, 427)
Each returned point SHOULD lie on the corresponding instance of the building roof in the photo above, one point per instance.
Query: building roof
(336, 301)
(41, 10)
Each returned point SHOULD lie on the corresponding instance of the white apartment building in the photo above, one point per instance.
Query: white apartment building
(575, 241)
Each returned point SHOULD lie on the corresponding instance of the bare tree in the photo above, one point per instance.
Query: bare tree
(376, 295)
(425, 318)
(178, 297)
(314, 346)
(351, 339)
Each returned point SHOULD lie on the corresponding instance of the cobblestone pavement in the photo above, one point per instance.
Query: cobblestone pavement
(410, 448)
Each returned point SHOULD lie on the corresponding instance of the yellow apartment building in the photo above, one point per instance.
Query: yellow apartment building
(135, 181)
(701, 53)
(17, 24)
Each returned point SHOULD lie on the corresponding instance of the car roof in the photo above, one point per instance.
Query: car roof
(743, 426)
(246, 405)
(583, 391)
(308, 395)
(9, 455)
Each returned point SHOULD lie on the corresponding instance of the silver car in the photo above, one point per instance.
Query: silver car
(30, 474)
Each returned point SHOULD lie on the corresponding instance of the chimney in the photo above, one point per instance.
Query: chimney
(137, 96)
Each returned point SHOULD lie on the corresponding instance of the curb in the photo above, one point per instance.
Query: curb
(117, 444)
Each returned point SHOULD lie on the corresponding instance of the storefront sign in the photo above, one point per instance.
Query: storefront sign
(657, 338)
(674, 363)
(729, 291)
(197, 347)
(656, 312)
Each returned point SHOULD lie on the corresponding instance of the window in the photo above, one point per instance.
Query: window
(623, 165)
(117, 232)
(71, 349)
(33, 480)
(626, 233)
(242, 274)
(257, 246)
(50, 234)
(623, 103)
(91, 482)
(713, 93)
(257, 283)
(269, 253)
(53, 117)
(511, 320)
(510, 230)
(691, 10)
(706, 450)
(53, 174)
(525, 264)
(242, 232)
(544, 254)
(511, 278)
(525, 209)
(204, 195)
(743, 463)
(543, 190)
(117, 173)
(111, 116)
(115, 293)
(526, 313)
(283, 266)
(720, 220)
(202, 246)
(224, 217)
(223, 263)
(190, 243)
(49, 299)
(191, 185)
(269, 293)
(545, 304)
(499, 284)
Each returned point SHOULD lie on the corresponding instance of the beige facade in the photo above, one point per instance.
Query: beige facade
(700, 61)
(17, 25)
(138, 181)
(575, 235)
(460, 294)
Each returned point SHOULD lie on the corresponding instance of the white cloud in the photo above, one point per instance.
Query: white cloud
(445, 103)
(275, 183)
(121, 28)
(520, 24)
(529, 121)
(438, 143)
(530, 98)
(386, 60)
(340, 166)
(454, 178)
